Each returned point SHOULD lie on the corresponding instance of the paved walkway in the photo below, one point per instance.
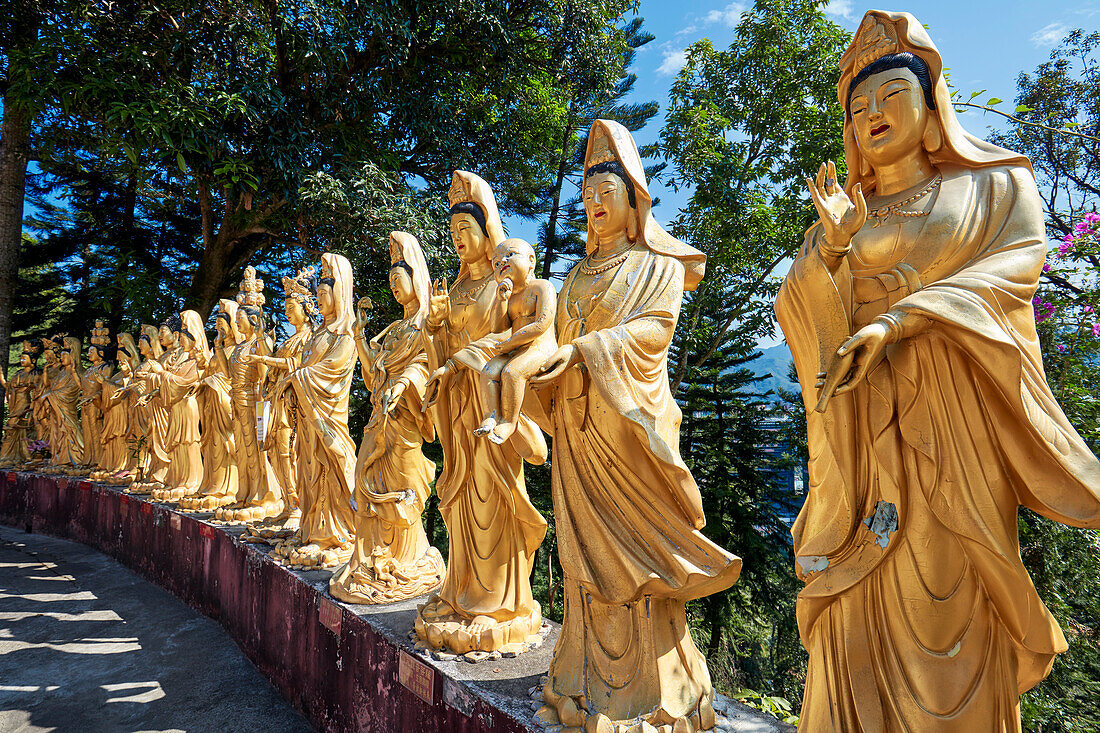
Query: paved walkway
(86, 645)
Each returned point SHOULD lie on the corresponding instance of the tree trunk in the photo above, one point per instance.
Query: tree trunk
(549, 253)
(15, 132)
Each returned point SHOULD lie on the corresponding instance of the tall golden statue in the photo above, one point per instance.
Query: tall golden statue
(152, 415)
(258, 492)
(393, 559)
(177, 382)
(325, 452)
(91, 401)
(493, 529)
(19, 391)
(627, 511)
(63, 396)
(908, 311)
(119, 459)
(41, 414)
(300, 308)
(218, 446)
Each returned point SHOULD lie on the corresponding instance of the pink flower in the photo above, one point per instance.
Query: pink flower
(1068, 239)
(1088, 309)
(1092, 217)
(1046, 267)
(1096, 329)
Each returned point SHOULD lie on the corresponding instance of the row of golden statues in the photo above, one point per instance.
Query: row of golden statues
(930, 421)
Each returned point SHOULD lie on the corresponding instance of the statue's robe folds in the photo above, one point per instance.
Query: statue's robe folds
(13, 449)
(326, 453)
(67, 445)
(177, 385)
(218, 445)
(917, 611)
(627, 510)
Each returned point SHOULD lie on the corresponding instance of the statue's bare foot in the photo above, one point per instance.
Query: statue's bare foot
(481, 623)
(486, 426)
(435, 609)
(502, 432)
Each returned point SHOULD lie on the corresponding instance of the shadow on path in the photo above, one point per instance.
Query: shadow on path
(86, 645)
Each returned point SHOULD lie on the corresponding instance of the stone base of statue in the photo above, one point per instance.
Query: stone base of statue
(143, 488)
(172, 494)
(251, 512)
(382, 579)
(442, 628)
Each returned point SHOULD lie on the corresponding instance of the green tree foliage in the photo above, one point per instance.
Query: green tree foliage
(744, 126)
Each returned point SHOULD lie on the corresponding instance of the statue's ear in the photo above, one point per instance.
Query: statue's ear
(632, 226)
(933, 136)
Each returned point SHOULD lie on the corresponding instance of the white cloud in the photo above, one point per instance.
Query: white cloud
(672, 61)
(1049, 35)
(841, 9)
(729, 15)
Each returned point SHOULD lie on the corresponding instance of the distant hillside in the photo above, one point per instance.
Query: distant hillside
(773, 363)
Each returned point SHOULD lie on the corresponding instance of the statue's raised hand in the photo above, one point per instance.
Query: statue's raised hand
(439, 303)
(841, 217)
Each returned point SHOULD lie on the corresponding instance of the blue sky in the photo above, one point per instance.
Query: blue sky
(985, 44)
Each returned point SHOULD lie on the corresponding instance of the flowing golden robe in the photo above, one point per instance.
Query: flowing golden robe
(67, 439)
(627, 511)
(493, 528)
(392, 477)
(116, 405)
(917, 610)
(217, 441)
(177, 384)
(155, 420)
(278, 443)
(91, 414)
(20, 390)
(326, 454)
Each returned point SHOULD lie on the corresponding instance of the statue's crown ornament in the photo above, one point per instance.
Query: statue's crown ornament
(30, 349)
(601, 150)
(251, 289)
(458, 192)
(101, 335)
(874, 40)
(300, 288)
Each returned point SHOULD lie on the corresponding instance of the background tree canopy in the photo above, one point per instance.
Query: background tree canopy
(169, 145)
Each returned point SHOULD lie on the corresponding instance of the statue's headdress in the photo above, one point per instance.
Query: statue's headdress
(251, 292)
(100, 336)
(301, 288)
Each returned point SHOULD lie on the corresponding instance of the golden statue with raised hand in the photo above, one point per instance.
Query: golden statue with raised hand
(493, 530)
(627, 511)
(219, 456)
(300, 308)
(91, 399)
(152, 414)
(325, 452)
(177, 382)
(63, 396)
(393, 559)
(908, 311)
(18, 393)
(120, 418)
(258, 493)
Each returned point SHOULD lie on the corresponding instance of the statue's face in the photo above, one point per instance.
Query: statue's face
(25, 361)
(607, 204)
(889, 116)
(468, 239)
(513, 260)
(51, 357)
(66, 358)
(124, 367)
(145, 348)
(244, 326)
(167, 338)
(294, 311)
(221, 325)
(94, 356)
(326, 302)
(401, 285)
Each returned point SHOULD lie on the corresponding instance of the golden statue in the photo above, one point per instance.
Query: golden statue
(18, 393)
(258, 493)
(300, 308)
(908, 311)
(63, 396)
(152, 414)
(177, 382)
(627, 511)
(493, 529)
(325, 452)
(91, 401)
(393, 560)
(119, 459)
(219, 455)
(41, 414)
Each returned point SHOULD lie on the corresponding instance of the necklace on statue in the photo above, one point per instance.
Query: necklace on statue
(897, 209)
(596, 269)
(469, 296)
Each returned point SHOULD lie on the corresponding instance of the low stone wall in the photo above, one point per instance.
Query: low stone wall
(346, 667)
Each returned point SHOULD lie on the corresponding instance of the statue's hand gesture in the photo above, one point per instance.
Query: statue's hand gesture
(505, 289)
(361, 308)
(434, 386)
(439, 303)
(841, 217)
(854, 359)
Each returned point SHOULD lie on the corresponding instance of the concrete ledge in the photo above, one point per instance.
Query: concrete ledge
(346, 667)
